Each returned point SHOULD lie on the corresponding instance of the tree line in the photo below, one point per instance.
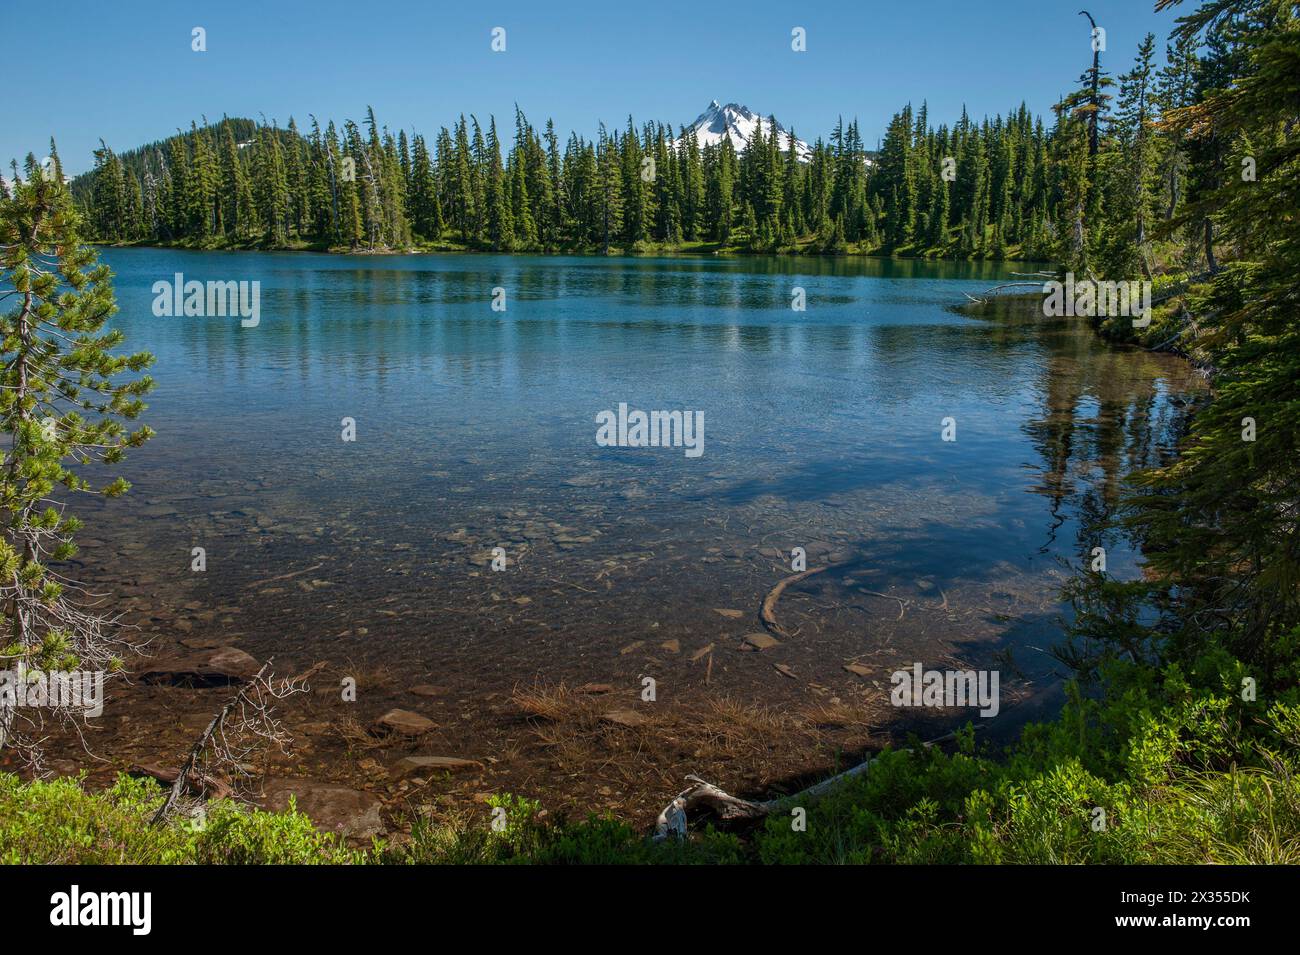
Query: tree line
(1087, 190)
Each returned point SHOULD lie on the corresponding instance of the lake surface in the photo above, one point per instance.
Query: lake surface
(477, 429)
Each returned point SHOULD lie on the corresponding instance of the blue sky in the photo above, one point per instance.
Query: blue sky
(125, 71)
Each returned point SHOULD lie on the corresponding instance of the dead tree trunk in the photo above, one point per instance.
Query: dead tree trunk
(196, 751)
(672, 821)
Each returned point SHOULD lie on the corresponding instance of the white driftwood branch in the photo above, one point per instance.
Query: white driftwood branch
(672, 821)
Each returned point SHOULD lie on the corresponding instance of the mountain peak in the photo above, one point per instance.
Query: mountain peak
(738, 123)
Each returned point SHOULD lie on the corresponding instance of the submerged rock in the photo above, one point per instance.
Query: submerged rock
(219, 666)
(759, 641)
(349, 812)
(402, 722)
(432, 764)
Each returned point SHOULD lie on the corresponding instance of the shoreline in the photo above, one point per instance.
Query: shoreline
(705, 250)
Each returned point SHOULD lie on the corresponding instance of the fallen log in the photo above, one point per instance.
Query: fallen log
(998, 288)
(672, 821)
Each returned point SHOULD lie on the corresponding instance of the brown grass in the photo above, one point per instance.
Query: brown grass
(721, 737)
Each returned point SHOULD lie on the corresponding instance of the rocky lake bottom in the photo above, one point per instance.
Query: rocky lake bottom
(370, 562)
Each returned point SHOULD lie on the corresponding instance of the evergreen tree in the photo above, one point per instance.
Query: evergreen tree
(426, 211)
(272, 188)
(110, 195)
(62, 408)
(500, 223)
(1218, 523)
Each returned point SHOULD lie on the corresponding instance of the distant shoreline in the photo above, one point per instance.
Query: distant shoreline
(694, 250)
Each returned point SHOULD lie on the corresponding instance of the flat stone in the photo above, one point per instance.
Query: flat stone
(219, 666)
(729, 614)
(402, 722)
(432, 764)
(858, 669)
(624, 717)
(426, 689)
(332, 808)
(672, 646)
(759, 641)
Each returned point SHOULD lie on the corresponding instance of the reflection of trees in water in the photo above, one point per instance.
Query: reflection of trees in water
(362, 316)
(1104, 414)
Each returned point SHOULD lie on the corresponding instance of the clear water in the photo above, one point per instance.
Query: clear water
(476, 428)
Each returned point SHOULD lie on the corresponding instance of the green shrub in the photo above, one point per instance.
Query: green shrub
(58, 822)
(1151, 767)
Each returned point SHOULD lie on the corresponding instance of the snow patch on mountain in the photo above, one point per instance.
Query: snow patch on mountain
(738, 123)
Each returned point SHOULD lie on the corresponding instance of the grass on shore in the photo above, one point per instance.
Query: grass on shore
(1153, 767)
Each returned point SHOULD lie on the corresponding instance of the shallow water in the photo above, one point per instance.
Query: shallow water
(477, 428)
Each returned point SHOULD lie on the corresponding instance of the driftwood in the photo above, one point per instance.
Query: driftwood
(701, 794)
(296, 573)
(672, 821)
(1042, 276)
(768, 611)
(199, 785)
(998, 288)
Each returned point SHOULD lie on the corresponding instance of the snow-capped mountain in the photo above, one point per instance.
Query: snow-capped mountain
(738, 123)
